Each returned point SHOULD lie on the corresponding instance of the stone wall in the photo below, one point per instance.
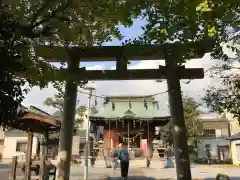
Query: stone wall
(75, 145)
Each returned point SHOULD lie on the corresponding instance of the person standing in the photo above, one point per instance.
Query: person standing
(123, 156)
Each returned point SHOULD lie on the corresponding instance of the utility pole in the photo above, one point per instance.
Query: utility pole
(90, 89)
(128, 137)
(178, 122)
(67, 125)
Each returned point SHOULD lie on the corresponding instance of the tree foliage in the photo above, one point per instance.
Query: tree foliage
(200, 20)
(57, 102)
(64, 23)
(191, 116)
(27, 23)
(227, 96)
(188, 21)
(192, 122)
(11, 93)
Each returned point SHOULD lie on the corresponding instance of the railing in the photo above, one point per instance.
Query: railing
(41, 169)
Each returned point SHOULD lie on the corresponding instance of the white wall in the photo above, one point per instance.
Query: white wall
(235, 152)
(85, 122)
(234, 127)
(214, 143)
(10, 144)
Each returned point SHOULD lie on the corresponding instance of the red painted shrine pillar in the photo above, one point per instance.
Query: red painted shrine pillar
(111, 138)
(149, 134)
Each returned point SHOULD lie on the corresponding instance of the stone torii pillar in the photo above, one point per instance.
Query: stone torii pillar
(178, 123)
(67, 125)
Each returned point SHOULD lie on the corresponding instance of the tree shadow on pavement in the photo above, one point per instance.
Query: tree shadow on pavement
(152, 178)
(136, 178)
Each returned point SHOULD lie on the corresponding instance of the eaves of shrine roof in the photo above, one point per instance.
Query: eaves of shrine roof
(35, 119)
(135, 110)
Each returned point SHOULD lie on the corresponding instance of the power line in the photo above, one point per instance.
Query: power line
(146, 96)
(163, 92)
(91, 94)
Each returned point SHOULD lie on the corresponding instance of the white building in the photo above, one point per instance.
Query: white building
(15, 144)
(84, 123)
(234, 124)
(215, 133)
(234, 140)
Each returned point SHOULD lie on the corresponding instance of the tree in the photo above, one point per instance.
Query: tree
(11, 93)
(191, 116)
(27, 24)
(227, 96)
(192, 122)
(57, 102)
(188, 21)
(81, 112)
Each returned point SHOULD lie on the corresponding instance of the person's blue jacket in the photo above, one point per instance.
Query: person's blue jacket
(123, 154)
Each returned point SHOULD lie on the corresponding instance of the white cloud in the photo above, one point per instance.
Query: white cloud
(95, 67)
(143, 87)
(37, 96)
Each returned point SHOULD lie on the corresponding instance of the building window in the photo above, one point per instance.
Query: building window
(21, 146)
(209, 132)
(223, 152)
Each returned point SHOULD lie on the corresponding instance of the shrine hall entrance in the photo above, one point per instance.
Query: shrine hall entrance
(131, 140)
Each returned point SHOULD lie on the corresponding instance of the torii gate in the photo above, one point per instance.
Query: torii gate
(121, 54)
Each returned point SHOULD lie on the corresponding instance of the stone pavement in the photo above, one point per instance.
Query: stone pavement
(100, 172)
(134, 178)
(106, 173)
(137, 171)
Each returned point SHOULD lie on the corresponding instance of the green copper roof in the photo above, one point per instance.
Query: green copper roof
(132, 109)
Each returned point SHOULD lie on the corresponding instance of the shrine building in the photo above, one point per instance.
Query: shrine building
(128, 120)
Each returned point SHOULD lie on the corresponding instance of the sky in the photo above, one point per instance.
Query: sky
(194, 89)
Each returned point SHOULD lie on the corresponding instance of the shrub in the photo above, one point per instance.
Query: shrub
(200, 160)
